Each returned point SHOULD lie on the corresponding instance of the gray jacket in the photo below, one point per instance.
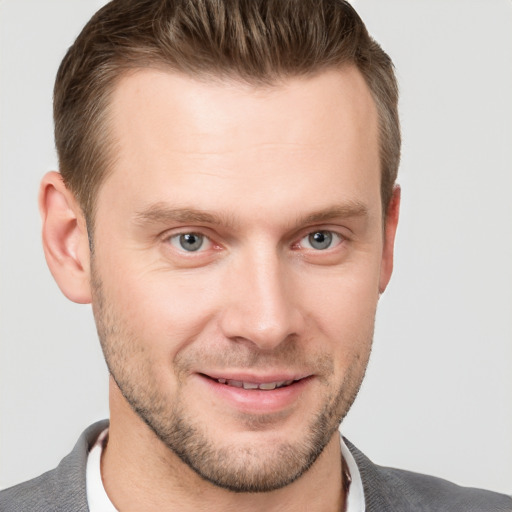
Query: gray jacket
(386, 489)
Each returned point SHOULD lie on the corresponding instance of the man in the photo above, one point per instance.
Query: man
(227, 204)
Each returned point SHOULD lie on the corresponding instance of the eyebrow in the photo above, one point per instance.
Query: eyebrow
(160, 213)
(341, 211)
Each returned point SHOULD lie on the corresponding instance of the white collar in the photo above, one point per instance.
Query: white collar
(355, 498)
(97, 497)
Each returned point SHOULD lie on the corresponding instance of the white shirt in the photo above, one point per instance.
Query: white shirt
(355, 497)
(99, 501)
(96, 495)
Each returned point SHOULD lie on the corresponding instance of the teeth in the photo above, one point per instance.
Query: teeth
(268, 386)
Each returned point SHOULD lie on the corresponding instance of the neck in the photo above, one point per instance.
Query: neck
(140, 473)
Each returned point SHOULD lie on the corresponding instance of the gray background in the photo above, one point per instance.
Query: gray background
(438, 394)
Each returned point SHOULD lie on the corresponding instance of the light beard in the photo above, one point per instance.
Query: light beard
(247, 468)
(238, 468)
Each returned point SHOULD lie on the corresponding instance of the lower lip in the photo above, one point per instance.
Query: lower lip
(257, 401)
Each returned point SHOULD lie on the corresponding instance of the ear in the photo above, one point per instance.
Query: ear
(65, 239)
(391, 223)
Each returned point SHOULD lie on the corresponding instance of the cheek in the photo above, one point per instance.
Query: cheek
(343, 308)
(162, 311)
(346, 296)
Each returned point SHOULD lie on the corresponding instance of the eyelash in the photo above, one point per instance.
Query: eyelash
(177, 238)
(334, 239)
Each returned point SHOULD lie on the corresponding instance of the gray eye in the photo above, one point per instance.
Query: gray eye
(191, 241)
(320, 240)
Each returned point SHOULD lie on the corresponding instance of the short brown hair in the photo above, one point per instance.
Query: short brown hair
(256, 41)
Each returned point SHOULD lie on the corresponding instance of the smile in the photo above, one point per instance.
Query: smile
(266, 386)
(257, 394)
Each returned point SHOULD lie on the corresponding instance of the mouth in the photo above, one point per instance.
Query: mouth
(264, 386)
(258, 394)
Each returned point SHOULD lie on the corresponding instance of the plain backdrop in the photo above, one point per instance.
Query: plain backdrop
(438, 393)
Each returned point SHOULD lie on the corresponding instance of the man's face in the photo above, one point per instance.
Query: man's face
(237, 266)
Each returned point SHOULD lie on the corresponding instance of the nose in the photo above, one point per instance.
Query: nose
(261, 307)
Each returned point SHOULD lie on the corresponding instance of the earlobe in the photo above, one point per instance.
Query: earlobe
(388, 249)
(65, 239)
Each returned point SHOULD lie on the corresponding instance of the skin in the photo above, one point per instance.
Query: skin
(254, 171)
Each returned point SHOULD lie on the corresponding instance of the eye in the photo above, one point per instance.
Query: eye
(190, 242)
(321, 240)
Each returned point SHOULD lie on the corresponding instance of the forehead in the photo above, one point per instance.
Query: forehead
(174, 133)
(214, 106)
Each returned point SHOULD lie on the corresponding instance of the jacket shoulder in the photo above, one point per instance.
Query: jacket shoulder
(428, 493)
(62, 489)
(390, 489)
(32, 495)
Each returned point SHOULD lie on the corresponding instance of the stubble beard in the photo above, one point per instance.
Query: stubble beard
(239, 469)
